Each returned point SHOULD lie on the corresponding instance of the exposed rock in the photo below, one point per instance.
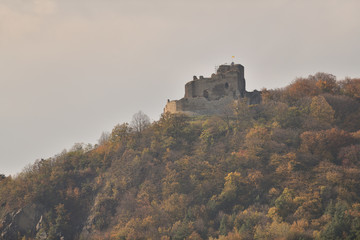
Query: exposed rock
(21, 222)
(40, 232)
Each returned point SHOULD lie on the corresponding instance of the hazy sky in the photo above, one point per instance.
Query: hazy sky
(71, 69)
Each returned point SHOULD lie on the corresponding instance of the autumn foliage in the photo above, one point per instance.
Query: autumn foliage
(285, 169)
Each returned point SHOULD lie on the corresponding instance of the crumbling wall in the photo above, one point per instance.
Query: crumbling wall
(253, 97)
(198, 106)
(228, 81)
(212, 95)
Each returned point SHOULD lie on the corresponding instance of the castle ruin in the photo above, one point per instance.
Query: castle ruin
(208, 96)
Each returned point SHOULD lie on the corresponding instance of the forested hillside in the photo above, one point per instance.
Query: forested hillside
(288, 168)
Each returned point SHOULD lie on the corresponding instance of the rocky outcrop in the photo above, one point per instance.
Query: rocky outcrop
(21, 222)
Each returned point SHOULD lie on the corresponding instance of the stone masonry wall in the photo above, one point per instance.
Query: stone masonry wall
(207, 96)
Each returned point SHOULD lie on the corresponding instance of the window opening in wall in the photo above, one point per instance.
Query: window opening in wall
(226, 85)
(206, 94)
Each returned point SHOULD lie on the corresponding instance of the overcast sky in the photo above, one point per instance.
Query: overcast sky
(71, 69)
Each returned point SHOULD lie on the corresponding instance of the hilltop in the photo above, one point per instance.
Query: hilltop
(286, 168)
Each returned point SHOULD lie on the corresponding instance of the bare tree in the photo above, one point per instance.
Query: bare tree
(140, 121)
(105, 136)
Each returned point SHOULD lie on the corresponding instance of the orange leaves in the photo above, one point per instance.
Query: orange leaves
(326, 143)
(351, 87)
(326, 82)
(312, 86)
(327, 86)
(302, 87)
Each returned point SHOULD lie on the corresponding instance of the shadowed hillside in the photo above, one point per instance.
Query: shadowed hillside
(287, 168)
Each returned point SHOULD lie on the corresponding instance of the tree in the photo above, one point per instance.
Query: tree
(351, 87)
(285, 203)
(340, 223)
(242, 114)
(120, 132)
(302, 87)
(105, 137)
(325, 144)
(325, 82)
(258, 144)
(140, 121)
(321, 111)
(350, 155)
(347, 111)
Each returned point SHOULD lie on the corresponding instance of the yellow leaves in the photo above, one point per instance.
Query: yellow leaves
(309, 205)
(259, 133)
(356, 135)
(175, 205)
(275, 230)
(284, 164)
(148, 221)
(232, 178)
(232, 182)
(274, 192)
(161, 181)
(321, 111)
(132, 227)
(274, 215)
(285, 203)
(194, 236)
(236, 189)
(258, 142)
(333, 177)
(255, 177)
(299, 226)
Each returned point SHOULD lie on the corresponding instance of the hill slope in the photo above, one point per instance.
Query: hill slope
(286, 169)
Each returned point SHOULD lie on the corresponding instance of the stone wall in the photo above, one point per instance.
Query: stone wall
(199, 106)
(223, 83)
(207, 96)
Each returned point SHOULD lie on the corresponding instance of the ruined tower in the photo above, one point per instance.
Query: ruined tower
(207, 96)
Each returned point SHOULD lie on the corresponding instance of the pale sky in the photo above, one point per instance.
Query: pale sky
(71, 69)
